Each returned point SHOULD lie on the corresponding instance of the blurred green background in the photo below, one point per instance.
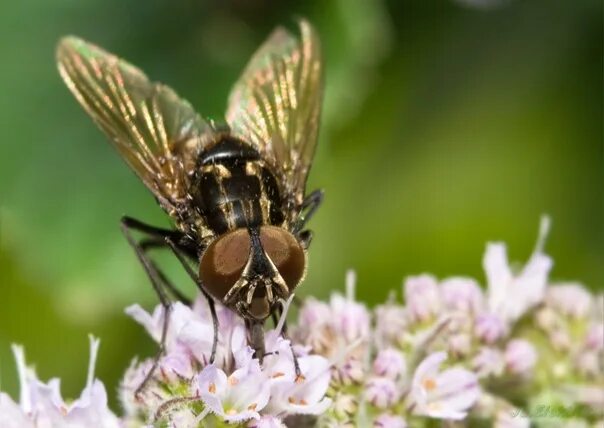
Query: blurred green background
(446, 125)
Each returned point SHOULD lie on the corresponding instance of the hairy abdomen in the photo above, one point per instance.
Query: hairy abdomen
(233, 188)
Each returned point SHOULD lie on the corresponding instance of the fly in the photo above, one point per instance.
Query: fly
(235, 192)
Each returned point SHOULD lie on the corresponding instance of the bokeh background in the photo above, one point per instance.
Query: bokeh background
(446, 125)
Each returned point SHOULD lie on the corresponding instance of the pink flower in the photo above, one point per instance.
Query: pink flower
(511, 295)
(444, 395)
(422, 297)
(462, 294)
(520, 357)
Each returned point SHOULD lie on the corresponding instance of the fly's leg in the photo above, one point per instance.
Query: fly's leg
(153, 243)
(179, 255)
(239, 285)
(250, 292)
(157, 280)
(307, 210)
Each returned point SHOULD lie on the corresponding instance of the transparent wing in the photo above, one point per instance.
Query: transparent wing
(276, 104)
(155, 131)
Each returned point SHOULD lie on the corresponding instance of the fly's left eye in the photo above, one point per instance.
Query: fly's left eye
(285, 252)
(223, 262)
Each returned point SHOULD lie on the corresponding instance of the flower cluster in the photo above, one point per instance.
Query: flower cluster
(185, 389)
(456, 351)
(518, 352)
(41, 404)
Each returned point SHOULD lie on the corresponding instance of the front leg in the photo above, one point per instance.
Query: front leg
(159, 285)
(178, 252)
(309, 207)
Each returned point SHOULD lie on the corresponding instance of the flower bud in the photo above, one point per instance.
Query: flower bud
(560, 339)
(422, 297)
(520, 357)
(390, 363)
(460, 344)
(345, 405)
(390, 324)
(386, 420)
(588, 363)
(381, 392)
(351, 372)
(595, 337)
(488, 362)
(462, 294)
(569, 299)
(489, 328)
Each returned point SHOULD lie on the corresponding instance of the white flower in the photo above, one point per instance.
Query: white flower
(235, 398)
(511, 295)
(12, 415)
(445, 395)
(41, 404)
(292, 394)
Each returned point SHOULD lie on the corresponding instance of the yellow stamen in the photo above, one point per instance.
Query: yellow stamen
(429, 384)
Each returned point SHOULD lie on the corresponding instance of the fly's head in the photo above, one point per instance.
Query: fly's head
(250, 270)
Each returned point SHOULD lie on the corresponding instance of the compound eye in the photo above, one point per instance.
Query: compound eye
(223, 262)
(285, 252)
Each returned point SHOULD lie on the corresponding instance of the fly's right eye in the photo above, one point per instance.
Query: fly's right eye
(223, 262)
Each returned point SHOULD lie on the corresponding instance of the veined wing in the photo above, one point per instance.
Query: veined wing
(276, 105)
(155, 131)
